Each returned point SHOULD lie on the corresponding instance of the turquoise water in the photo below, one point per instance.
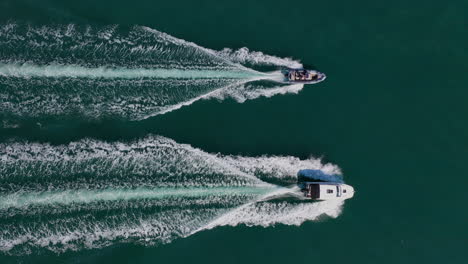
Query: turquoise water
(158, 132)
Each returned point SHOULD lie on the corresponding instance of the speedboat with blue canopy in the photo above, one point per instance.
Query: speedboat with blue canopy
(303, 76)
(327, 191)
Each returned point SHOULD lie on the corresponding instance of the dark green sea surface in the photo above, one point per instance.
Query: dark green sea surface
(103, 159)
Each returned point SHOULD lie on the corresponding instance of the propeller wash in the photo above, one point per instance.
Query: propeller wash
(91, 194)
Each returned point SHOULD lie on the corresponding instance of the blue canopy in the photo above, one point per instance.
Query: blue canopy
(318, 175)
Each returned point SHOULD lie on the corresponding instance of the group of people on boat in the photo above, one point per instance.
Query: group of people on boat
(302, 75)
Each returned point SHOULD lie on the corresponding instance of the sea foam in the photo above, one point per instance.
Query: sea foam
(91, 194)
(131, 73)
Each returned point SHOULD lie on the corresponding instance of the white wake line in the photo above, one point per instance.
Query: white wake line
(295, 216)
(213, 93)
(18, 200)
(191, 101)
(194, 45)
(75, 71)
(214, 223)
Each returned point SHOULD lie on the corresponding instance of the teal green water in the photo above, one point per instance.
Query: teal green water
(390, 117)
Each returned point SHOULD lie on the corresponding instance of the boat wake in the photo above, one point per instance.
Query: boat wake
(91, 194)
(131, 73)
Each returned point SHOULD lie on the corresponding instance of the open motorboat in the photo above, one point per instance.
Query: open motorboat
(319, 185)
(327, 190)
(302, 76)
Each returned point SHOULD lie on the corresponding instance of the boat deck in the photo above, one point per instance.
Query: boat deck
(302, 76)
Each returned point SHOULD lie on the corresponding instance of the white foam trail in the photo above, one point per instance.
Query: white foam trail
(61, 235)
(234, 57)
(66, 197)
(146, 100)
(244, 91)
(286, 213)
(233, 90)
(208, 95)
(184, 43)
(106, 46)
(266, 212)
(244, 55)
(152, 160)
(95, 98)
(138, 46)
(75, 71)
(91, 194)
(112, 72)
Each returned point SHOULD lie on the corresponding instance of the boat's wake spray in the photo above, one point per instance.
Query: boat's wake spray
(132, 74)
(90, 193)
